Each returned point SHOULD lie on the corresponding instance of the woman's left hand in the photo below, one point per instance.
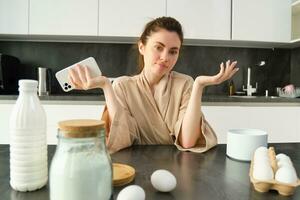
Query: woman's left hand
(224, 74)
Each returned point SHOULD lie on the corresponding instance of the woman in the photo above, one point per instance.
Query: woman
(157, 106)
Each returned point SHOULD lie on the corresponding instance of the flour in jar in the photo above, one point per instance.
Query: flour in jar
(80, 172)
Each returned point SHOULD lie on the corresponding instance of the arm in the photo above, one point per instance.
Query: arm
(121, 126)
(191, 125)
(81, 79)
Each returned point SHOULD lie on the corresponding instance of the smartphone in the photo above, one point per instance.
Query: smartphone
(62, 75)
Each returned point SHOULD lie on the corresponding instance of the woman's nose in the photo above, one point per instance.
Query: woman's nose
(164, 56)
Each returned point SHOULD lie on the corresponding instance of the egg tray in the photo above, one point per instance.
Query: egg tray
(284, 189)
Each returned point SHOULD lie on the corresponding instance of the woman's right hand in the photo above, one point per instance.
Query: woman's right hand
(80, 78)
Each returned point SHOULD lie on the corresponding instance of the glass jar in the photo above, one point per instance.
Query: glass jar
(81, 167)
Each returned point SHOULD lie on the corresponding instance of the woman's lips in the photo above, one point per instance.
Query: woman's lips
(162, 66)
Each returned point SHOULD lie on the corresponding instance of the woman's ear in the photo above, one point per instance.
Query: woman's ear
(141, 47)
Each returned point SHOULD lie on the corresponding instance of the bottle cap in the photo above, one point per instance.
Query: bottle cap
(28, 85)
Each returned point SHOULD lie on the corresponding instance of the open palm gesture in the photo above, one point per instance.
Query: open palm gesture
(226, 72)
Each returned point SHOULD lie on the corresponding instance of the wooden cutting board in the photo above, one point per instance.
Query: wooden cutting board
(122, 174)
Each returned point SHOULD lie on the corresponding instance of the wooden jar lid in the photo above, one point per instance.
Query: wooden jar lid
(122, 174)
(80, 128)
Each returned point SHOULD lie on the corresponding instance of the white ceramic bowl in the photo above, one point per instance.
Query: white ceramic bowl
(242, 143)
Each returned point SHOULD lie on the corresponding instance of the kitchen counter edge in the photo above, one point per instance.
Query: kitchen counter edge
(207, 100)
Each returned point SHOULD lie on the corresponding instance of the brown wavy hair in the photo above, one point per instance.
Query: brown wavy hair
(167, 23)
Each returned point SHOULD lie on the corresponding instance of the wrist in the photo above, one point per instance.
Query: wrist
(199, 85)
(106, 85)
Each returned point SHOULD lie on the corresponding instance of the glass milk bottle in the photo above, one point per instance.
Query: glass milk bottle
(81, 167)
(28, 146)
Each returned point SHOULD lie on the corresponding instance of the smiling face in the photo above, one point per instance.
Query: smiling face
(160, 52)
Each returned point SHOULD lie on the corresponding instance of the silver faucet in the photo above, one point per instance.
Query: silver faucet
(250, 90)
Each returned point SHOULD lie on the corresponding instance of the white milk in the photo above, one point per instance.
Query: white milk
(28, 145)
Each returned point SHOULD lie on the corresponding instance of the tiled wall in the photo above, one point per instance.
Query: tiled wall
(121, 59)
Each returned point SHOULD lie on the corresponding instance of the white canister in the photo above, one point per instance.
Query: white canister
(241, 143)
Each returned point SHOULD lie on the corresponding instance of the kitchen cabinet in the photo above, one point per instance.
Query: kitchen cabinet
(128, 18)
(280, 122)
(256, 23)
(204, 19)
(14, 17)
(63, 17)
(261, 20)
(296, 21)
(55, 113)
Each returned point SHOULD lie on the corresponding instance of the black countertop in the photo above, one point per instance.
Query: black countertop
(205, 99)
(210, 175)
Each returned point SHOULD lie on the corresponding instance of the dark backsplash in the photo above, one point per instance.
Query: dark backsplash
(282, 65)
(295, 66)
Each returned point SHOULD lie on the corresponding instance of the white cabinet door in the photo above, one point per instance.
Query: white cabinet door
(54, 113)
(63, 17)
(14, 16)
(202, 19)
(261, 20)
(128, 18)
(281, 123)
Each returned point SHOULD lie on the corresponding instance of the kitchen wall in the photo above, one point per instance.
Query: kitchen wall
(121, 59)
(295, 66)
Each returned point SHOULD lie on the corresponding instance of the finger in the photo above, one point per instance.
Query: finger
(74, 75)
(87, 73)
(81, 73)
(230, 68)
(235, 70)
(227, 63)
(233, 65)
(72, 82)
(222, 71)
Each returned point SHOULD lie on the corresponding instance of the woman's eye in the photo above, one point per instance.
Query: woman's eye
(159, 48)
(173, 52)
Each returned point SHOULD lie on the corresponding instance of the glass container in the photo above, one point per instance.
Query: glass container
(81, 167)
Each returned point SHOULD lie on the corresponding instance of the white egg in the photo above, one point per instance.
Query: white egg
(282, 163)
(286, 174)
(262, 160)
(261, 153)
(163, 180)
(261, 150)
(132, 192)
(283, 157)
(263, 171)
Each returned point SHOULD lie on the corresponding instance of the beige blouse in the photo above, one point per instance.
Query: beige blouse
(153, 119)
